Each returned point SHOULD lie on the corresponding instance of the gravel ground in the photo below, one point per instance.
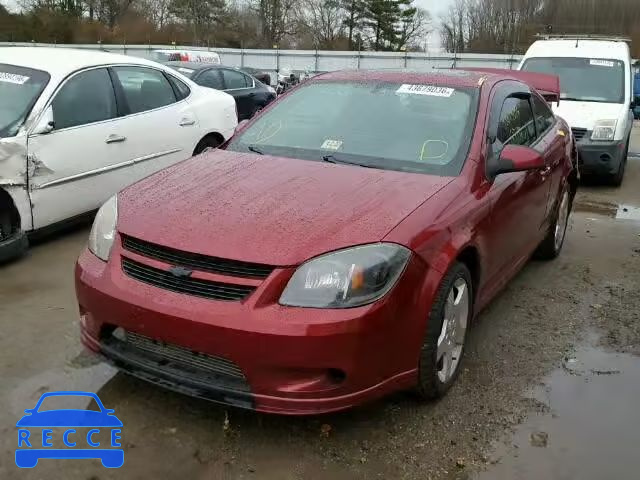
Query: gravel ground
(589, 296)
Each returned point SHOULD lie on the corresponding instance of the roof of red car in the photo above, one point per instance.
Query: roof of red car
(452, 78)
(472, 78)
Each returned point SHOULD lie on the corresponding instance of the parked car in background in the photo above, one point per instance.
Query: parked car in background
(258, 74)
(328, 256)
(77, 126)
(250, 94)
(596, 99)
(199, 56)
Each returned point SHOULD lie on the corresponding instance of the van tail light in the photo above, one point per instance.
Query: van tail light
(184, 57)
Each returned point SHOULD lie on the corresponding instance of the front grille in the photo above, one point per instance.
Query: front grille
(195, 260)
(184, 356)
(176, 367)
(579, 133)
(190, 286)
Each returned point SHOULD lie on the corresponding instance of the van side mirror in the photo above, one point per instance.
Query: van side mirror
(45, 124)
(515, 158)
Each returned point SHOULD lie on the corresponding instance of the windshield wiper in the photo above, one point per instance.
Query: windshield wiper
(253, 149)
(342, 161)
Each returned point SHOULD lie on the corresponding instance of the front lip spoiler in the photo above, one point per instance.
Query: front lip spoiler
(148, 371)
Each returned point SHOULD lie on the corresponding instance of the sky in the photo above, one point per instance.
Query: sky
(435, 8)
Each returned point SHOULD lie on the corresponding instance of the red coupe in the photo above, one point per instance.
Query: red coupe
(336, 249)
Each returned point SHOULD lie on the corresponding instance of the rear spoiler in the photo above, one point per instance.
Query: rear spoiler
(547, 85)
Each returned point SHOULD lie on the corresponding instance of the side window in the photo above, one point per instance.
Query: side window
(180, 87)
(87, 97)
(211, 78)
(516, 126)
(144, 88)
(545, 118)
(233, 79)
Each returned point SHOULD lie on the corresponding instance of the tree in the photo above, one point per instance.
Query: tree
(200, 15)
(324, 19)
(277, 19)
(415, 24)
(354, 17)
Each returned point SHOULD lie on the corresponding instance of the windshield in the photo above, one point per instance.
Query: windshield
(584, 79)
(414, 128)
(19, 89)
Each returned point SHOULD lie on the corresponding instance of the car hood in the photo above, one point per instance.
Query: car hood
(265, 209)
(586, 114)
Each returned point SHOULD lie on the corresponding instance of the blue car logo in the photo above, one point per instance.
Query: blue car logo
(36, 429)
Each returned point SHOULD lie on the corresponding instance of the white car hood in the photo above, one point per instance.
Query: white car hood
(586, 114)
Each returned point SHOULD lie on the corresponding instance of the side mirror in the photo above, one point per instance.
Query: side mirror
(45, 124)
(515, 158)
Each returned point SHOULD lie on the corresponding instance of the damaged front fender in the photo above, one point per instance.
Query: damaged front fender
(13, 161)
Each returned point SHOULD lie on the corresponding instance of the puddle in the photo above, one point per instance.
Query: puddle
(612, 210)
(592, 430)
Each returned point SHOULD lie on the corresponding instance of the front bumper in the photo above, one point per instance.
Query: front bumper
(293, 360)
(600, 158)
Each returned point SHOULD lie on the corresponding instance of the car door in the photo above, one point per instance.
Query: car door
(518, 199)
(242, 88)
(161, 128)
(83, 160)
(551, 144)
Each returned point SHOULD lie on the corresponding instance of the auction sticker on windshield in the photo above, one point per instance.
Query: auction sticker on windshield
(602, 63)
(431, 90)
(13, 78)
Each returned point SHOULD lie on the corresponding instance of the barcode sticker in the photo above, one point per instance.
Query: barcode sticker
(13, 78)
(602, 63)
(431, 90)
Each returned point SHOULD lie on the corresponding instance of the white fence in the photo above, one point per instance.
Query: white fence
(317, 60)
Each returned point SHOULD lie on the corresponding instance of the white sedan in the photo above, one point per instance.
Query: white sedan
(77, 126)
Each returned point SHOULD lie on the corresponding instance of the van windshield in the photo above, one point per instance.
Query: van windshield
(584, 79)
(19, 89)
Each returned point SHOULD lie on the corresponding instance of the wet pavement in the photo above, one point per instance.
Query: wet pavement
(547, 390)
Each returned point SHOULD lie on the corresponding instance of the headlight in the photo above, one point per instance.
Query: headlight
(103, 231)
(604, 130)
(271, 89)
(346, 278)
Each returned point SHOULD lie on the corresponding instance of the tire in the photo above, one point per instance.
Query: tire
(552, 244)
(456, 288)
(6, 227)
(618, 177)
(210, 142)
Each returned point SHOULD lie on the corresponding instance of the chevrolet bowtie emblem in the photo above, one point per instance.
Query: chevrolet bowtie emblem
(180, 272)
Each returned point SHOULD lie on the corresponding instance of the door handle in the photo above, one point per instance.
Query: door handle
(113, 138)
(187, 122)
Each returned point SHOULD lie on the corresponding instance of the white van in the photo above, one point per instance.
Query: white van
(596, 81)
(199, 56)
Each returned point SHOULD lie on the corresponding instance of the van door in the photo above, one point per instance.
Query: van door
(82, 161)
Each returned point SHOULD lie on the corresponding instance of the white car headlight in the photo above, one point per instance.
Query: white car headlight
(346, 278)
(103, 231)
(604, 130)
(271, 89)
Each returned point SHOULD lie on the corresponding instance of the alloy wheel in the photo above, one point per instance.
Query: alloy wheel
(454, 330)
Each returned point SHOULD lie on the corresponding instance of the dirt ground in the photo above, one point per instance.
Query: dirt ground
(549, 388)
